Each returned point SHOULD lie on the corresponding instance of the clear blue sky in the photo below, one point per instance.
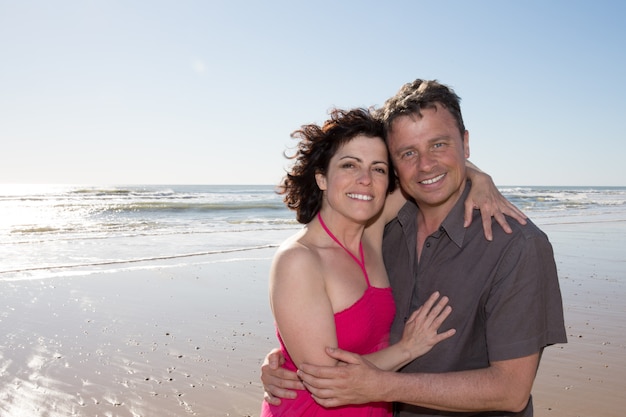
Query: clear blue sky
(207, 92)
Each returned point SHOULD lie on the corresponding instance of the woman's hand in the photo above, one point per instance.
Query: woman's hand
(421, 330)
(485, 196)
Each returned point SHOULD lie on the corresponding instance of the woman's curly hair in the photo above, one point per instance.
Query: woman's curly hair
(313, 154)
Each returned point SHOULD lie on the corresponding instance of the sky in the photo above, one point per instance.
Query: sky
(208, 92)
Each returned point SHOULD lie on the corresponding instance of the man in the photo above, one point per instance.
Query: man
(505, 294)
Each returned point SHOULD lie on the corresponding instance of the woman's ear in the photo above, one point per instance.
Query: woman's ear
(320, 179)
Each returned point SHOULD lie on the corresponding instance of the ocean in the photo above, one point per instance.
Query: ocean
(63, 230)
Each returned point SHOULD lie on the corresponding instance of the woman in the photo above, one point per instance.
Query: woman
(328, 284)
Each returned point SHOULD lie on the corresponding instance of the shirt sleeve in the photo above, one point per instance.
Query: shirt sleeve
(524, 311)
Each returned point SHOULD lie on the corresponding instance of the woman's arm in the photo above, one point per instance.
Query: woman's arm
(375, 228)
(301, 307)
(486, 197)
(419, 336)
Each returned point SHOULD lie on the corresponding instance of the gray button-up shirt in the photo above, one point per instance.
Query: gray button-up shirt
(505, 296)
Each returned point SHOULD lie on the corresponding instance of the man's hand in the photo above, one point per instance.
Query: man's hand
(354, 381)
(278, 382)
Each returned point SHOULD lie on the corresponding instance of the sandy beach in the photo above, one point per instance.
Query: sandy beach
(187, 338)
(587, 376)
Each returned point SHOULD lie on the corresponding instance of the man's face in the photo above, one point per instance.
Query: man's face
(429, 156)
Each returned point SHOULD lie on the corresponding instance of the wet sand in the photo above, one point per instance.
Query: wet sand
(587, 376)
(188, 339)
(171, 341)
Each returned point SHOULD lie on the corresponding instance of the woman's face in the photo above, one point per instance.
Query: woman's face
(357, 178)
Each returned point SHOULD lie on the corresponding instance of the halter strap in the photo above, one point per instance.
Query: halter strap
(360, 262)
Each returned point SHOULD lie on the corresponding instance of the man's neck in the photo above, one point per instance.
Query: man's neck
(429, 224)
(430, 218)
(426, 225)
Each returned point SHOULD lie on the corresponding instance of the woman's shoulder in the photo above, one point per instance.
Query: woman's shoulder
(298, 252)
(296, 245)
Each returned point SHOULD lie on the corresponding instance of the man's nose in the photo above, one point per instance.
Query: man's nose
(426, 161)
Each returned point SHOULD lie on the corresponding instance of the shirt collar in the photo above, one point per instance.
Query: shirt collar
(408, 213)
(453, 224)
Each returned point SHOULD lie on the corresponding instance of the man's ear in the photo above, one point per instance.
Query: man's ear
(320, 179)
(466, 144)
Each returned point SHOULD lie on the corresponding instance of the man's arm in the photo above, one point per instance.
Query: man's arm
(419, 336)
(504, 385)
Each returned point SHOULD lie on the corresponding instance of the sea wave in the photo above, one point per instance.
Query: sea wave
(193, 206)
(564, 198)
(71, 228)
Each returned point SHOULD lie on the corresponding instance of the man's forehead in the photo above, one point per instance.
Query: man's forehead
(410, 119)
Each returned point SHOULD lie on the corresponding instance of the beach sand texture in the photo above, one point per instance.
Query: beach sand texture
(188, 339)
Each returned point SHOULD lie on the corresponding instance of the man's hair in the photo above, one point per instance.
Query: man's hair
(421, 94)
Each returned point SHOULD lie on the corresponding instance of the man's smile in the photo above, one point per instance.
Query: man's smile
(433, 180)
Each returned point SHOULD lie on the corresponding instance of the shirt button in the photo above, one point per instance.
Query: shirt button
(428, 244)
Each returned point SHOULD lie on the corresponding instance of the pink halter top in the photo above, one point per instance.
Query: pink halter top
(361, 328)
